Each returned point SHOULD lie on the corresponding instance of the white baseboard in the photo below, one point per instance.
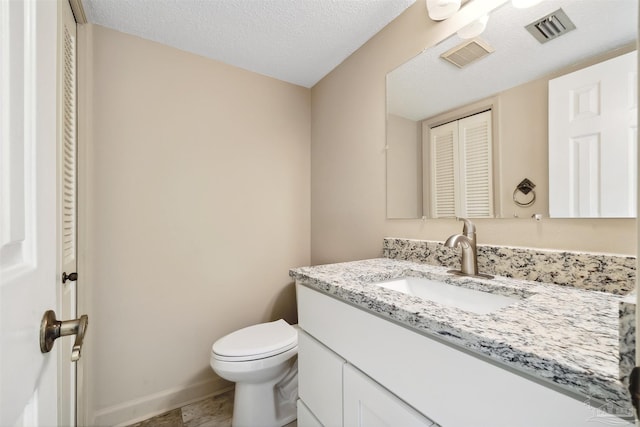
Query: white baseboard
(143, 408)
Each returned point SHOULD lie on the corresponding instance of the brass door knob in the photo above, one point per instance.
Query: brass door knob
(52, 329)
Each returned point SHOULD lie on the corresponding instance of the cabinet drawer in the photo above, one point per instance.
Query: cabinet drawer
(320, 380)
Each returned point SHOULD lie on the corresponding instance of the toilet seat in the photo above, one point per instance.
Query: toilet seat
(256, 342)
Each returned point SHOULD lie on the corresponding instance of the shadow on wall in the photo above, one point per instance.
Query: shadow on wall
(284, 305)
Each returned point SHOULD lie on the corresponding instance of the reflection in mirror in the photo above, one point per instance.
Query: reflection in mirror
(512, 82)
(593, 140)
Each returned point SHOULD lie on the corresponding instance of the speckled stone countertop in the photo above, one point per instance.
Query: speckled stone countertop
(563, 335)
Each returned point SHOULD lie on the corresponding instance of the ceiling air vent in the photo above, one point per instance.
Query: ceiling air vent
(551, 26)
(467, 52)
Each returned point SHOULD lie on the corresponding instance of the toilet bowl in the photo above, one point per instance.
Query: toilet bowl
(262, 361)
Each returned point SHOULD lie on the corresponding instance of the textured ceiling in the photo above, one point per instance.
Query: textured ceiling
(298, 41)
(602, 25)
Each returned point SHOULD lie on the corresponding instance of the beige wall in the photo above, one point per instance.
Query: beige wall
(196, 204)
(404, 167)
(348, 161)
(524, 152)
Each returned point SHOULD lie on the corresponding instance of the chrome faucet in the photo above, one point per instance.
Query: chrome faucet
(467, 242)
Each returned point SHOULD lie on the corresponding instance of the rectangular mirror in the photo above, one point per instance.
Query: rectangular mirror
(512, 82)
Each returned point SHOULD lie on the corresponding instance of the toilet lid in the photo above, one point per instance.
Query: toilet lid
(260, 340)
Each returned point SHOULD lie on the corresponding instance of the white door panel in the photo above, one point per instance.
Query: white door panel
(592, 140)
(444, 170)
(476, 172)
(28, 382)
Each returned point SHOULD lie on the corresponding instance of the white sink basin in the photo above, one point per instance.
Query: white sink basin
(451, 295)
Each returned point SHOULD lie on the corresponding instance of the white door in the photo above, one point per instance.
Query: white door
(29, 274)
(593, 140)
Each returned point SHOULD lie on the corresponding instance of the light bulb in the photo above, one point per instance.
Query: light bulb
(439, 10)
(474, 29)
(523, 4)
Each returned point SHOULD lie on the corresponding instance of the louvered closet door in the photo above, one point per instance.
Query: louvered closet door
(68, 206)
(444, 169)
(476, 184)
(68, 139)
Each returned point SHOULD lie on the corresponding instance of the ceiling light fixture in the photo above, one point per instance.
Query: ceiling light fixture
(474, 29)
(523, 4)
(439, 10)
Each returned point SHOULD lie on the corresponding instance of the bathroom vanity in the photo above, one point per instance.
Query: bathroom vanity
(374, 354)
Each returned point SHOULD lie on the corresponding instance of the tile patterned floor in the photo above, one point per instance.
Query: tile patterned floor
(215, 411)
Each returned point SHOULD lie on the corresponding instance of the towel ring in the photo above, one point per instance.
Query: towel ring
(525, 187)
(524, 204)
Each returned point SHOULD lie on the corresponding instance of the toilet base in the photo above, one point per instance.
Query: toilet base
(253, 407)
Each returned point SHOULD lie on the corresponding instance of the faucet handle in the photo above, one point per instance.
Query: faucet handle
(468, 227)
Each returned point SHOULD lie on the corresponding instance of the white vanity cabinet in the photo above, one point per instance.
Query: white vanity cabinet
(357, 368)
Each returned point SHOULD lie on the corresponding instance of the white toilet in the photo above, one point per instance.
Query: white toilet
(262, 361)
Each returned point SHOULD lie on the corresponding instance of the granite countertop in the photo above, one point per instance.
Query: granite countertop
(563, 335)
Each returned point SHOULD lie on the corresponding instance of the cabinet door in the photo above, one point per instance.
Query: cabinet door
(320, 380)
(366, 403)
(305, 417)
